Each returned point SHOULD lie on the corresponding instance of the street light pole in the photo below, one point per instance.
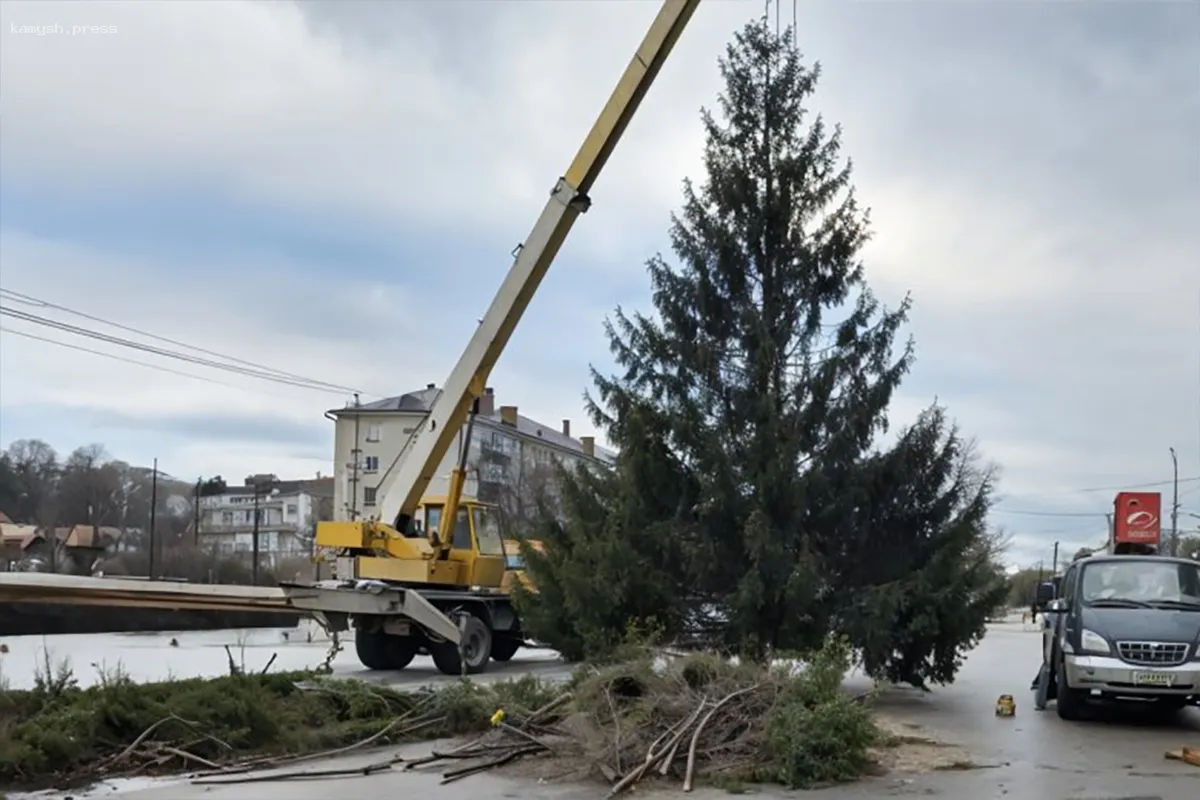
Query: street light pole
(196, 515)
(254, 540)
(1175, 506)
(153, 517)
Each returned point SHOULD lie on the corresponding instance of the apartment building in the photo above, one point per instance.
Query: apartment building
(507, 451)
(287, 512)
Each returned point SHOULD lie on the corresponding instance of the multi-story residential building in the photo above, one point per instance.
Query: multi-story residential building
(287, 515)
(508, 462)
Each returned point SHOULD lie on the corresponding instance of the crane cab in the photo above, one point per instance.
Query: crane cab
(371, 550)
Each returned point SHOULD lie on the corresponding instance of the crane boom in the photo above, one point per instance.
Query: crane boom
(406, 480)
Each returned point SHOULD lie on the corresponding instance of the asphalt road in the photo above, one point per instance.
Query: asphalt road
(1116, 755)
(1032, 756)
(177, 655)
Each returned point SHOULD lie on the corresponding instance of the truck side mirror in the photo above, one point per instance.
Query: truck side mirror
(1046, 591)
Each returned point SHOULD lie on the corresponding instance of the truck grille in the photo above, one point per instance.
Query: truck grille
(1153, 654)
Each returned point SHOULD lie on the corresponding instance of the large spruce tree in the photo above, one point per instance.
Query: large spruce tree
(749, 495)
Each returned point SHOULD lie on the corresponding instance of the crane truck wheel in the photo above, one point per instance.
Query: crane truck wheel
(476, 650)
(503, 649)
(379, 650)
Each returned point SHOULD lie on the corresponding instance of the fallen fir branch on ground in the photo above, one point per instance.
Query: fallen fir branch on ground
(689, 720)
(60, 734)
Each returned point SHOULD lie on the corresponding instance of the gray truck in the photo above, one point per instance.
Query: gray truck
(1121, 627)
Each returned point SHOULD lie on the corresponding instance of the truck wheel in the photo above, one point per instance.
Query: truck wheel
(379, 650)
(504, 649)
(1169, 706)
(476, 650)
(370, 648)
(1070, 701)
(399, 650)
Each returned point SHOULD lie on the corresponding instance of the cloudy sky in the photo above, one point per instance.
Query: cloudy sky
(332, 190)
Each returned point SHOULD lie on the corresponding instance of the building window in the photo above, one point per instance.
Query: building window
(369, 495)
(226, 517)
(374, 433)
(292, 509)
(370, 463)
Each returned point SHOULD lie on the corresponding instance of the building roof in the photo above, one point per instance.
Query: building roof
(71, 536)
(318, 487)
(421, 402)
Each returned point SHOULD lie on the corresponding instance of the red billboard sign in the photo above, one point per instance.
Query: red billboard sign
(1137, 518)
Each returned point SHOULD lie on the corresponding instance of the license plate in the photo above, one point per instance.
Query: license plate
(1153, 678)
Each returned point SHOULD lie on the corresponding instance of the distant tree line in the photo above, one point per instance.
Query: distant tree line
(90, 488)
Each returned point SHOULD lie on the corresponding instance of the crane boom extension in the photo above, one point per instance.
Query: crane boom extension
(403, 488)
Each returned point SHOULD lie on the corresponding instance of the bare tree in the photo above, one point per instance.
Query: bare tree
(519, 483)
(322, 511)
(90, 488)
(32, 480)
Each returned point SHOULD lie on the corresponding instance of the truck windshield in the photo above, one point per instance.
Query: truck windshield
(487, 532)
(1143, 581)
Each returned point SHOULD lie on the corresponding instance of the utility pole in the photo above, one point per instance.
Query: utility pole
(196, 514)
(1054, 570)
(355, 455)
(1175, 506)
(254, 540)
(153, 516)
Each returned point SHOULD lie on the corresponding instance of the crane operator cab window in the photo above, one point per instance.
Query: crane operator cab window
(462, 529)
(487, 532)
(433, 516)
(487, 529)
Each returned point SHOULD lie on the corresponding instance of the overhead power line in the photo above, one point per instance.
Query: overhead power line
(302, 383)
(1130, 486)
(1097, 514)
(1050, 513)
(40, 303)
(229, 363)
(114, 357)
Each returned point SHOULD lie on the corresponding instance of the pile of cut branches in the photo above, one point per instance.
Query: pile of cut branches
(697, 717)
(703, 716)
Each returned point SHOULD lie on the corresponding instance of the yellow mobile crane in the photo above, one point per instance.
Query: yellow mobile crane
(427, 574)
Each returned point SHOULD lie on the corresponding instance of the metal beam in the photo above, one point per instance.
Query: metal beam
(35, 587)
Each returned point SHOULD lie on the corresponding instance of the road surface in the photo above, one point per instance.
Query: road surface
(146, 657)
(1118, 755)
(1033, 756)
